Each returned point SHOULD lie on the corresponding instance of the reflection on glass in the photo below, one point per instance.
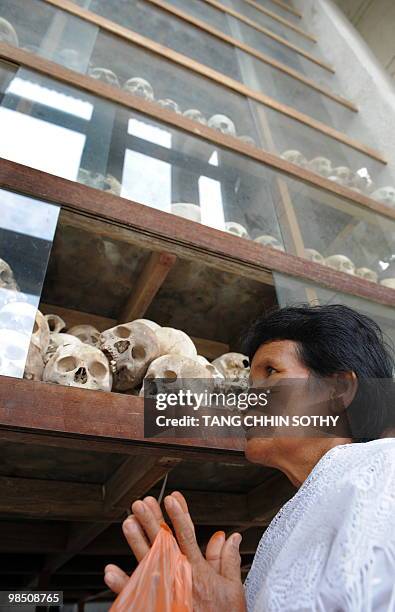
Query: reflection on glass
(27, 229)
(295, 291)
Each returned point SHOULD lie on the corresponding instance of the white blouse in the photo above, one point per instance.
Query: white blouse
(331, 548)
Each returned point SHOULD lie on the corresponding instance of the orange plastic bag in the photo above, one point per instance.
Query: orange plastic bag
(162, 581)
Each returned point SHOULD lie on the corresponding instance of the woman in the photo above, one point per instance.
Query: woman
(332, 546)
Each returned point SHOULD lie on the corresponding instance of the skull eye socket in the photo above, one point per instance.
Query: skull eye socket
(97, 369)
(122, 332)
(122, 345)
(139, 352)
(210, 368)
(170, 375)
(246, 363)
(67, 364)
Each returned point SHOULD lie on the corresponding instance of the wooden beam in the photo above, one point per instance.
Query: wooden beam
(210, 348)
(281, 20)
(204, 71)
(30, 406)
(32, 536)
(268, 32)
(147, 286)
(287, 7)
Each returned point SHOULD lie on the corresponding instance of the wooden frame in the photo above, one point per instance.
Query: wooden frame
(161, 231)
(203, 132)
(281, 20)
(213, 75)
(161, 4)
(287, 7)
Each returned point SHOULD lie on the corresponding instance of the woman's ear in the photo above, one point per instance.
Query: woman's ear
(345, 386)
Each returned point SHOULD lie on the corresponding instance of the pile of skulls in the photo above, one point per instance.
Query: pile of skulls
(143, 89)
(192, 212)
(344, 264)
(121, 358)
(342, 175)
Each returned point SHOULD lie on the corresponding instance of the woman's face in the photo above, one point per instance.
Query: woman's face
(272, 364)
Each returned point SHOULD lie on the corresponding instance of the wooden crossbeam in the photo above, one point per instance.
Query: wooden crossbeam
(133, 479)
(147, 286)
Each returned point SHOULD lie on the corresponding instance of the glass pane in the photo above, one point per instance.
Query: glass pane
(27, 229)
(279, 10)
(199, 9)
(293, 291)
(206, 49)
(113, 148)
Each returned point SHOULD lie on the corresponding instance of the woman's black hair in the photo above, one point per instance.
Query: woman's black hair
(335, 338)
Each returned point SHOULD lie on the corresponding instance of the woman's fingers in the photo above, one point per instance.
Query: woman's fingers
(115, 578)
(214, 550)
(147, 519)
(152, 503)
(183, 528)
(135, 537)
(230, 558)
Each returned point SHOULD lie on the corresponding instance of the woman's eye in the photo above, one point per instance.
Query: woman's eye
(270, 370)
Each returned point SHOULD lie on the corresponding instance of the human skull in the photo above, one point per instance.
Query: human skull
(130, 348)
(363, 182)
(388, 282)
(341, 263)
(295, 157)
(55, 323)
(236, 229)
(223, 124)
(86, 333)
(7, 280)
(56, 340)
(367, 274)
(386, 195)
(139, 87)
(341, 175)
(269, 241)
(212, 369)
(234, 366)
(151, 324)
(313, 255)
(111, 184)
(187, 211)
(7, 33)
(175, 342)
(247, 140)
(105, 75)
(14, 348)
(169, 372)
(170, 105)
(70, 58)
(80, 366)
(195, 115)
(321, 165)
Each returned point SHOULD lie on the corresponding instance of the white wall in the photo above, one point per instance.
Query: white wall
(375, 20)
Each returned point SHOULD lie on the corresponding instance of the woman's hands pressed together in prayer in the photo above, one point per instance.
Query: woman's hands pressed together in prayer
(217, 585)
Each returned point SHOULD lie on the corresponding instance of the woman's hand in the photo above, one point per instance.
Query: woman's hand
(216, 579)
